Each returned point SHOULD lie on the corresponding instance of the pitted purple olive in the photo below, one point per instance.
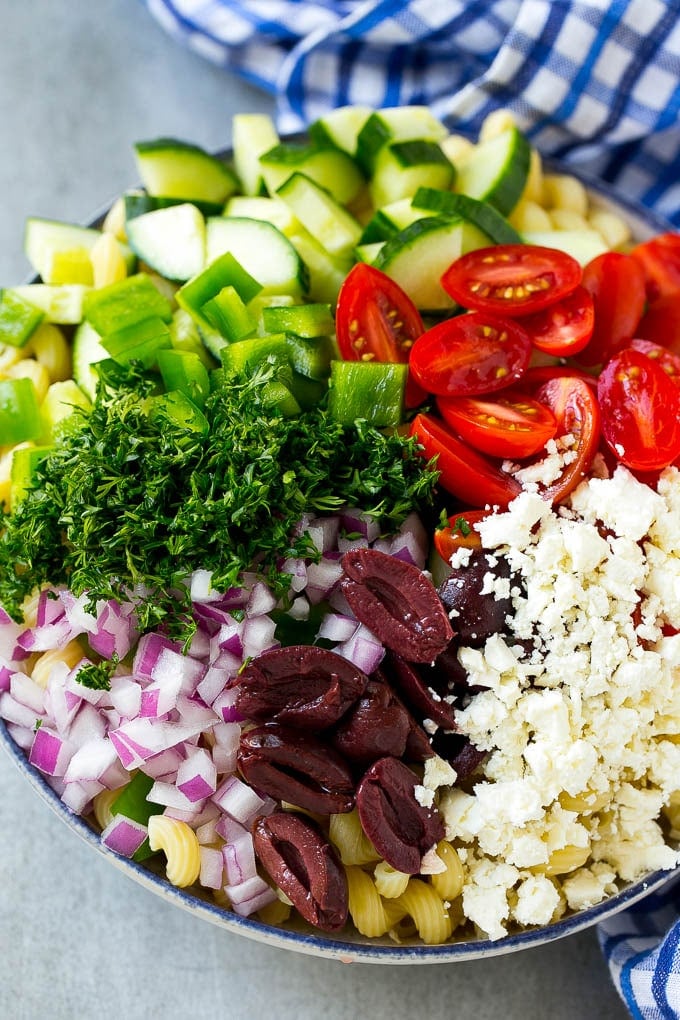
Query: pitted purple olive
(415, 684)
(301, 685)
(459, 752)
(303, 864)
(397, 602)
(400, 828)
(297, 768)
(376, 726)
(474, 595)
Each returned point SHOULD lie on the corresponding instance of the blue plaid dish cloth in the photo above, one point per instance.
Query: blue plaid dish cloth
(595, 83)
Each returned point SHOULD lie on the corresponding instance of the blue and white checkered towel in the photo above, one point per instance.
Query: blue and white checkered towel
(595, 83)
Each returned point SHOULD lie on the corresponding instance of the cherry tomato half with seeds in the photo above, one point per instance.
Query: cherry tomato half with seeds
(564, 327)
(667, 360)
(460, 533)
(661, 322)
(470, 354)
(511, 425)
(464, 473)
(616, 284)
(375, 320)
(640, 411)
(573, 401)
(537, 375)
(511, 279)
(660, 261)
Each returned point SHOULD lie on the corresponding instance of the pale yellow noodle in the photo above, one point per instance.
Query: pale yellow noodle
(49, 347)
(529, 216)
(428, 910)
(372, 916)
(353, 845)
(562, 861)
(563, 191)
(29, 368)
(101, 807)
(70, 655)
(114, 221)
(614, 229)
(389, 882)
(567, 219)
(108, 264)
(275, 912)
(179, 843)
(449, 883)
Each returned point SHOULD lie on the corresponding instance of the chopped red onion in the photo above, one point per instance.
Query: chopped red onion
(50, 607)
(124, 835)
(147, 653)
(363, 649)
(345, 544)
(299, 608)
(261, 600)
(49, 752)
(27, 692)
(173, 668)
(163, 765)
(115, 776)
(225, 706)
(125, 696)
(6, 672)
(364, 524)
(238, 800)
(228, 639)
(199, 647)
(322, 578)
(258, 635)
(137, 740)
(197, 776)
(43, 639)
(81, 620)
(61, 703)
(21, 735)
(337, 627)
(239, 859)
(91, 760)
(216, 678)
(200, 587)
(87, 723)
(168, 795)
(92, 694)
(13, 711)
(116, 631)
(195, 713)
(225, 750)
(249, 896)
(211, 875)
(297, 568)
(78, 796)
(207, 832)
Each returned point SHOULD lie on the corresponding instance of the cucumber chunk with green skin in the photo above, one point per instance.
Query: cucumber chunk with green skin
(87, 351)
(59, 406)
(583, 245)
(368, 252)
(253, 134)
(19, 319)
(371, 390)
(124, 303)
(263, 251)
(340, 127)
(172, 241)
(326, 272)
(481, 214)
(176, 169)
(184, 371)
(330, 224)
(396, 124)
(259, 207)
(332, 169)
(62, 305)
(392, 218)
(497, 170)
(402, 167)
(312, 320)
(417, 257)
(43, 238)
(137, 203)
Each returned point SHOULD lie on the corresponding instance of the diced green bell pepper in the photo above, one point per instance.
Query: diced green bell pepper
(229, 315)
(125, 303)
(140, 341)
(371, 390)
(184, 371)
(132, 803)
(312, 320)
(19, 411)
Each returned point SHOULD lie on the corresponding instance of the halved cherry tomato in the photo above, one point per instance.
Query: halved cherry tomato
(640, 411)
(463, 472)
(564, 327)
(459, 534)
(470, 354)
(511, 425)
(376, 321)
(574, 403)
(616, 283)
(511, 279)
(668, 361)
(660, 260)
(661, 322)
(537, 375)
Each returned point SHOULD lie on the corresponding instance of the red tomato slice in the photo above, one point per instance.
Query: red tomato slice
(640, 411)
(668, 361)
(512, 425)
(574, 403)
(565, 327)
(511, 279)
(470, 354)
(537, 375)
(459, 534)
(376, 321)
(661, 322)
(463, 472)
(616, 283)
(660, 260)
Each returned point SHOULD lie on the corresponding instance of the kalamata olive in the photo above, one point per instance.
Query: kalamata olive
(400, 828)
(377, 725)
(477, 616)
(410, 682)
(397, 602)
(304, 865)
(299, 685)
(297, 768)
(458, 751)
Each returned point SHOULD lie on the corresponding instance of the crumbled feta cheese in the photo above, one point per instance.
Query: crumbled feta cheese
(537, 900)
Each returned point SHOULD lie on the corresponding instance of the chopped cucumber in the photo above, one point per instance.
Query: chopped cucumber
(481, 214)
(253, 134)
(392, 218)
(496, 170)
(176, 169)
(340, 127)
(19, 319)
(258, 207)
(326, 271)
(172, 240)
(138, 202)
(44, 238)
(261, 249)
(332, 169)
(400, 168)
(61, 304)
(368, 252)
(417, 257)
(332, 226)
(583, 245)
(59, 405)
(396, 124)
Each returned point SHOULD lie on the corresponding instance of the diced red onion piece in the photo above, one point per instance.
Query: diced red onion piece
(228, 639)
(238, 800)
(21, 735)
(81, 620)
(27, 692)
(239, 859)
(213, 683)
(91, 760)
(88, 723)
(12, 711)
(168, 795)
(201, 589)
(225, 706)
(197, 776)
(364, 524)
(212, 868)
(345, 544)
(43, 639)
(251, 895)
(322, 577)
(92, 694)
(164, 765)
(207, 832)
(262, 600)
(299, 609)
(337, 627)
(6, 673)
(49, 752)
(61, 703)
(174, 668)
(363, 649)
(78, 796)
(115, 776)
(125, 696)
(50, 607)
(297, 568)
(199, 647)
(147, 653)
(258, 635)
(124, 835)
(116, 631)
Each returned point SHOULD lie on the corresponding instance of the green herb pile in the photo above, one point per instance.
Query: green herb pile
(129, 504)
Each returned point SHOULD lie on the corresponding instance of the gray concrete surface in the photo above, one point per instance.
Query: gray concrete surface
(78, 84)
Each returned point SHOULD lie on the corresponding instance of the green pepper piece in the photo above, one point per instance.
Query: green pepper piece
(277, 396)
(372, 390)
(225, 271)
(18, 319)
(132, 803)
(19, 412)
(254, 351)
(180, 410)
(184, 371)
(312, 320)
(125, 303)
(229, 315)
(139, 341)
(312, 357)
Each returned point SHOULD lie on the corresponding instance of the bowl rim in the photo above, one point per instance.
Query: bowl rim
(356, 948)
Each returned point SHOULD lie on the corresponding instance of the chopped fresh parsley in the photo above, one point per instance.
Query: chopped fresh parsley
(97, 676)
(129, 503)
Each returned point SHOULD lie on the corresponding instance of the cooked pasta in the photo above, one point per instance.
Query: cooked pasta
(564, 860)
(275, 912)
(372, 915)
(389, 882)
(70, 655)
(563, 191)
(29, 368)
(179, 843)
(353, 845)
(448, 883)
(428, 910)
(49, 347)
(101, 807)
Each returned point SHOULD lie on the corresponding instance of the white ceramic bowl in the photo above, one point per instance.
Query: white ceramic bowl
(302, 938)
